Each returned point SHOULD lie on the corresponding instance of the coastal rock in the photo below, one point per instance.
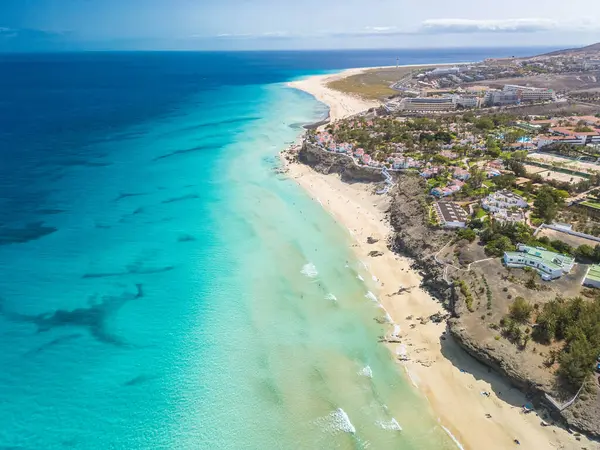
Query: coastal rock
(414, 237)
(326, 163)
(375, 253)
(372, 240)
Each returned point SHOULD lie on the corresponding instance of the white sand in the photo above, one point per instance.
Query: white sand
(454, 394)
(340, 105)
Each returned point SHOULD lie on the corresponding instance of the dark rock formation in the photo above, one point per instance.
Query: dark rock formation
(414, 237)
(325, 162)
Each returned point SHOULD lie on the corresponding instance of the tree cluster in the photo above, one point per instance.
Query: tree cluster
(575, 322)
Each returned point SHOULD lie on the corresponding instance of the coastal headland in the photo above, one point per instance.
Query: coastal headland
(478, 407)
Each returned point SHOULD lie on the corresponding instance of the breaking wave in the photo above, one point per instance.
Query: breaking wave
(371, 297)
(337, 421)
(366, 372)
(331, 297)
(309, 270)
(392, 425)
(360, 278)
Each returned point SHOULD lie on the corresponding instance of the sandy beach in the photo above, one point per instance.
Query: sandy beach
(453, 383)
(340, 105)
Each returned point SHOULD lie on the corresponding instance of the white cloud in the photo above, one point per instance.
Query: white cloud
(441, 26)
(265, 35)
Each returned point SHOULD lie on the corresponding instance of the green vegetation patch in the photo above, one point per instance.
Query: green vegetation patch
(373, 84)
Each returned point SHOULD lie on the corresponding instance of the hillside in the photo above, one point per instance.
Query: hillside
(574, 51)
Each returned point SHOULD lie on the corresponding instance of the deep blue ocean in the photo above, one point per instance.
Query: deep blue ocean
(161, 285)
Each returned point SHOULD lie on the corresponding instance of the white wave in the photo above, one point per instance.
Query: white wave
(396, 331)
(411, 377)
(335, 422)
(392, 425)
(341, 421)
(401, 350)
(375, 279)
(365, 265)
(456, 441)
(366, 372)
(331, 297)
(309, 270)
(371, 297)
(360, 278)
(388, 318)
(320, 202)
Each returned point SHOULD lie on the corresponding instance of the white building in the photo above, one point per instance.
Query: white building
(442, 71)
(466, 101)
(503, 200)
(428, 104)
(529, 94)
(495, 97)
(548, 264)
(451, 215)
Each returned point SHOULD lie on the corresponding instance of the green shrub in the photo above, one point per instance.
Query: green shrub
(520, 310)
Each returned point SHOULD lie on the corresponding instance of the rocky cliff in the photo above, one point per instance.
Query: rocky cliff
(414, 237)
(326, 162)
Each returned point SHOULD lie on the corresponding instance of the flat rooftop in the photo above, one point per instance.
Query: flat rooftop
(451, 212)
(593, 273)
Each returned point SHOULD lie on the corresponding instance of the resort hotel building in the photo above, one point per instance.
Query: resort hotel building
(427, 104)
(548, 264)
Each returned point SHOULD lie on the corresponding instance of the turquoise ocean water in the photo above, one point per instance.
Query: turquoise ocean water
(162, 286)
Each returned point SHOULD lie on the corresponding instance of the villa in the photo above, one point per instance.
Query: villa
(503, 200)
(447, 153)
(450, 189)
(548, 264)
(430, 172)
(403, 162)
(461, 174)
(491, 172)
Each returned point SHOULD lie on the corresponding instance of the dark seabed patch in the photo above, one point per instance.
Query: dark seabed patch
(50, 211)
(53, 342)
(140, 379)
(92, 318)
(31, 232)
(129, 194)
(82, 163)
(131, 270)
(181, 199)
(220, 122)
(186, 238)
(200, 148)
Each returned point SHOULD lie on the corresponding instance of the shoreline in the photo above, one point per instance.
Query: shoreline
(451, 381)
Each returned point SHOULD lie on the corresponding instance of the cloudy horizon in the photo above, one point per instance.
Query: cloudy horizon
(38, 25)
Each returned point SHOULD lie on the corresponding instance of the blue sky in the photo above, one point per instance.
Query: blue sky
(30, 25)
